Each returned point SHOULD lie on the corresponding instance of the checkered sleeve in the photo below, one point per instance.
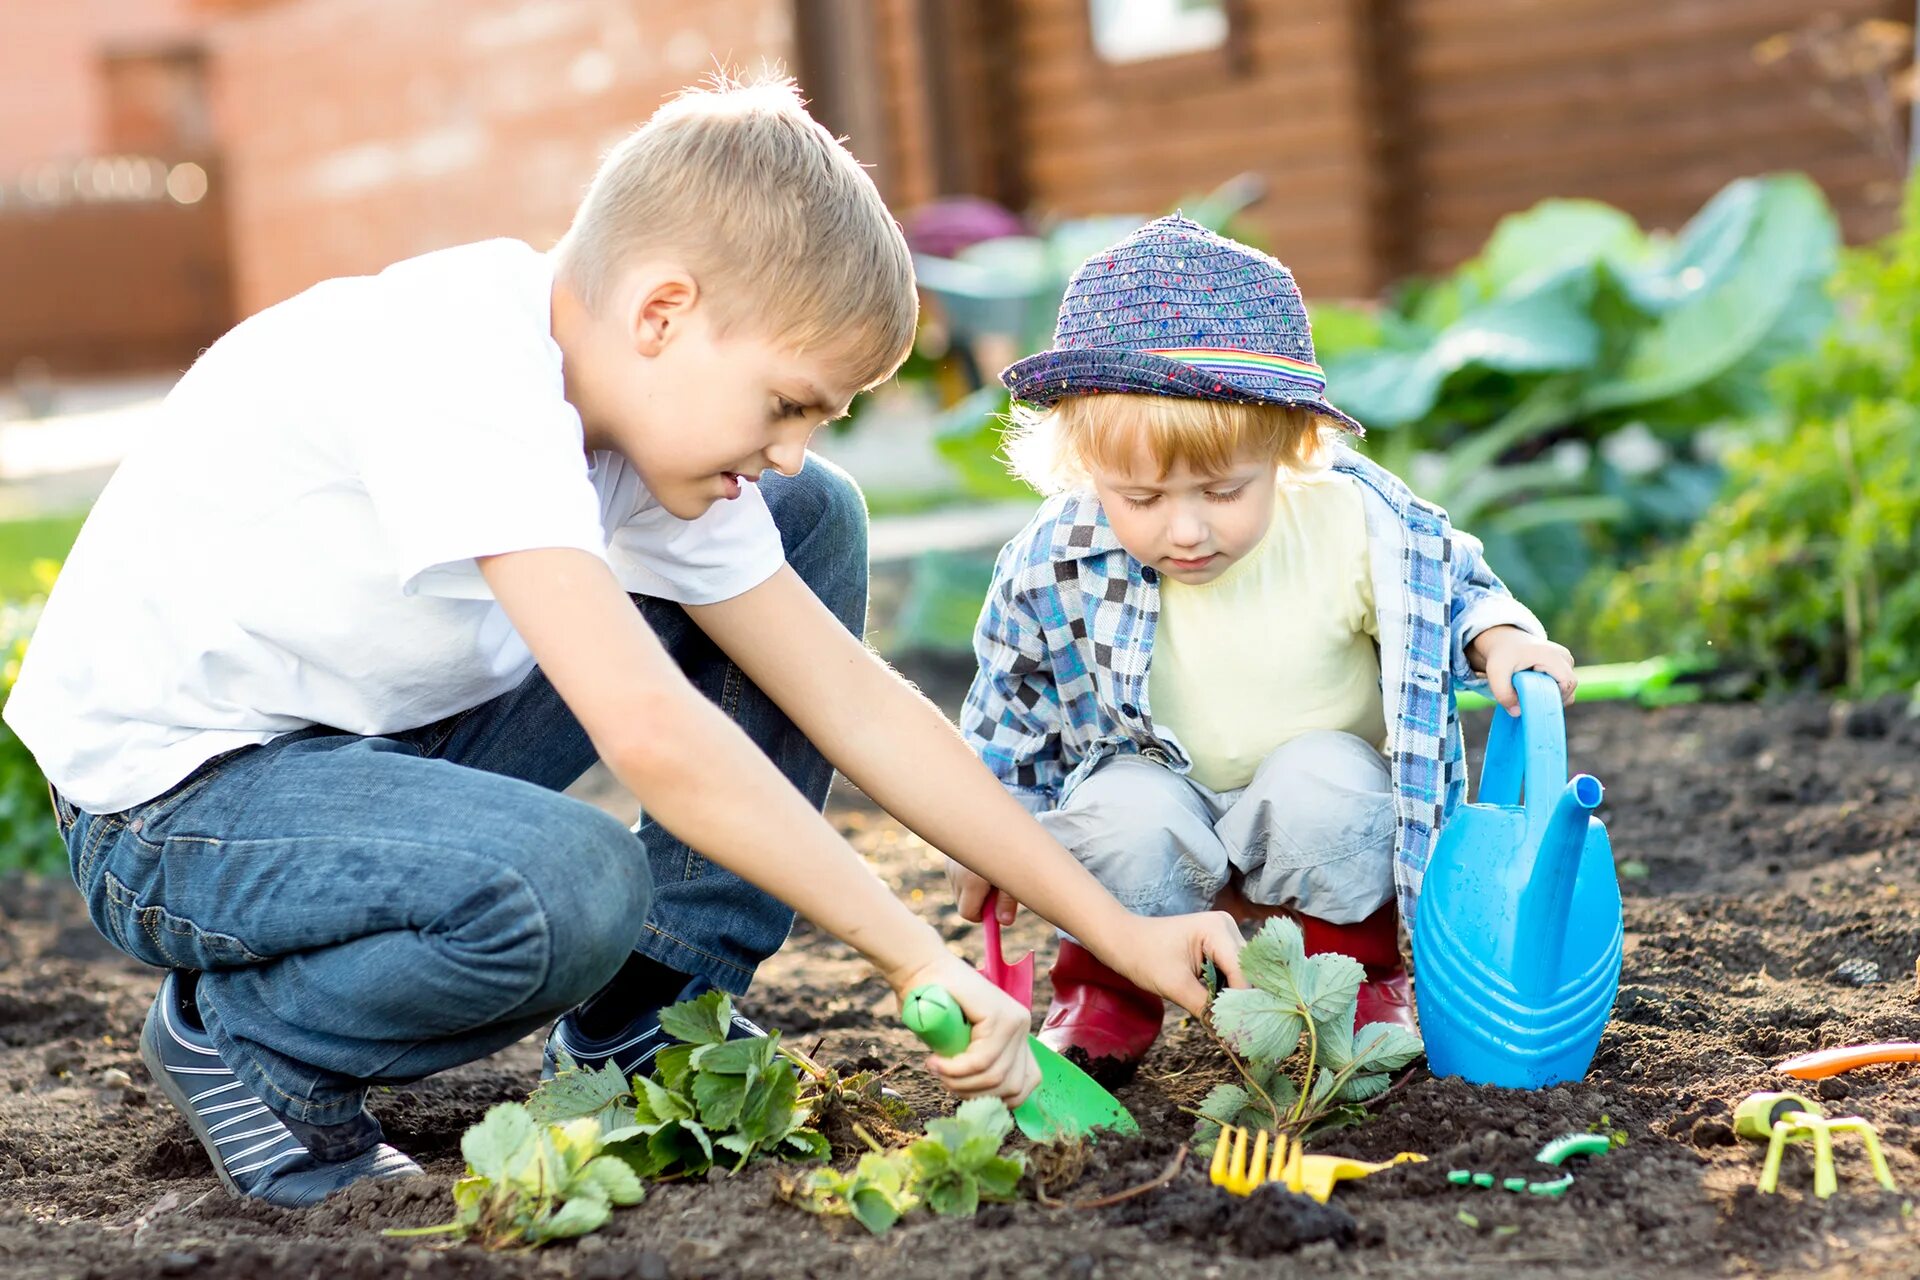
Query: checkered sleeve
(1480, 601)
(1012, 713)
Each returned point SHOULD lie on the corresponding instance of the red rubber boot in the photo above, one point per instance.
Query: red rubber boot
(1097, 1011)
(1386, 995)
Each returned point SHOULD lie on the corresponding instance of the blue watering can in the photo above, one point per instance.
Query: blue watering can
(1517, 939)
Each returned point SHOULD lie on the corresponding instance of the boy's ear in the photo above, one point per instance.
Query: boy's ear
(660, 309)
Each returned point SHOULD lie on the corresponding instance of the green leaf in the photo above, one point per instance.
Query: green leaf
(576, 1218)
(614, 1180)
(1737, 268)
(1257, 1023)
(1270, 953)
(987, 1117)
(670, 1065)
(810, 1145)
(1544, 328)
(703, 1020)
(768, 1112)
(1224, 1103)
(572, 1094)
(874, 1210)
(1359, 1088)
(664, 1103)
(735, 1057)
(1000, 1176)
(1330, 987)
(955, 1196)
(1553, 236)
(500, 1142)
(719, 1098)
(1385, 1047)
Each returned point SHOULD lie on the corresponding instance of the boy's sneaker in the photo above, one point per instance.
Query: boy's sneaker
(254, 1154)
(632, 1047)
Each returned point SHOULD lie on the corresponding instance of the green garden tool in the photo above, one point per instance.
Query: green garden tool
(1068, 1103)
(1781, 1118)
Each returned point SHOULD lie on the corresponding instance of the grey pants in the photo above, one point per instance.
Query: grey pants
(1314, 831)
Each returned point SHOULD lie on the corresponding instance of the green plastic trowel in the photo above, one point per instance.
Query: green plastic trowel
(1068, 1103)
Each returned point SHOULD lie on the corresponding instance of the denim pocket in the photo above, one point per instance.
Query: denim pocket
(155, 936)
(147, 822)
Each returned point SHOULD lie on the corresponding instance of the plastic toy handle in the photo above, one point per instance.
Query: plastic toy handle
(932, 1013)
(1831, 1062)
(995, 964)
(1530, 748)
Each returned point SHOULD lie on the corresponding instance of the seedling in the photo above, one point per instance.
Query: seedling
(529, 1183)
(1303, 1068)
(709, 1101)
(952, 1170)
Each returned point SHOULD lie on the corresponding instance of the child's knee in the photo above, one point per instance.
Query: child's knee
(1317, 828)
(1141, 831)
(595, 891)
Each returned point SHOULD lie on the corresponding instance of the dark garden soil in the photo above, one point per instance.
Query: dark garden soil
(1772, 908)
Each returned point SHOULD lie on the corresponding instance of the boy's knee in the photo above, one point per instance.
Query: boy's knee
(596, 891)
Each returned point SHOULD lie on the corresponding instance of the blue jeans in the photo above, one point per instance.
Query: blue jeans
(373, 910)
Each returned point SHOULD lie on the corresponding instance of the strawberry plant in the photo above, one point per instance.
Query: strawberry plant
(956, 1166)
(710, 1100)
(528, 1183)
(1290, 1035)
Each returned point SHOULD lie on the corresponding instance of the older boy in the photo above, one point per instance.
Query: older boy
(340, 629)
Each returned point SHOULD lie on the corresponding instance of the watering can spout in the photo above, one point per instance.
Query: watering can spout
(1547, 900)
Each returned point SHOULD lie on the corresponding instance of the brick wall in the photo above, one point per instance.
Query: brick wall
(51, 105)
(359, 132)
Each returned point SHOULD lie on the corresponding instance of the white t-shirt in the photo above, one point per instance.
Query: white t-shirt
(294, 542)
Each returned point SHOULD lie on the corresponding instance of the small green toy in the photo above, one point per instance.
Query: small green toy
(1554, 1153)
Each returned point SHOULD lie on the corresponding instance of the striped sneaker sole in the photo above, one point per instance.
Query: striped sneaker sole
(241, 1136)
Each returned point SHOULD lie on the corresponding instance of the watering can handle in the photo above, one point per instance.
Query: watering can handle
(1530, 748)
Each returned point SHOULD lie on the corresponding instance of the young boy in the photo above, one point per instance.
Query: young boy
(342, 627)
(1221, 660)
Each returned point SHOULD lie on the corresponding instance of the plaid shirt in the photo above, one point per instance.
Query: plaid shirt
(1065, 640)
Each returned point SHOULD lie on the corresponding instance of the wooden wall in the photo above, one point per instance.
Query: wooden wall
(1392, 134)
(1648, 104)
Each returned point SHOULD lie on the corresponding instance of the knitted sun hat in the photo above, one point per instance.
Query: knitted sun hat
(1176, 310)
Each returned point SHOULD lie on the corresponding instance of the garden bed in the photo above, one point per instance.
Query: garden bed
(1780, 848)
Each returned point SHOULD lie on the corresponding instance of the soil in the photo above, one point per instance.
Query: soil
(1771, 855)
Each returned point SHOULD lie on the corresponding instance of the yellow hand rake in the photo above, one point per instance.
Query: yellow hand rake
(1284, 1162)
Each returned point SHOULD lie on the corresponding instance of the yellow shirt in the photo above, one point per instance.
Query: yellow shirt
(1281, 643)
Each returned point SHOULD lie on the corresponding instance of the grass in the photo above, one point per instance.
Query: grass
(22, 542)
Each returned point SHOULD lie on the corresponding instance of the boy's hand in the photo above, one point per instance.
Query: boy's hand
(997, 1061)
(1502, 651)
(1166, 954)
(970, 895)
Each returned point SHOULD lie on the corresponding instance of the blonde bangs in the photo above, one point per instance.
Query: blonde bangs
(1060, 447)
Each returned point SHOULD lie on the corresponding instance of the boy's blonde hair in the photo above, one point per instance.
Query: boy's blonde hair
(1059, 447)
(771, 214)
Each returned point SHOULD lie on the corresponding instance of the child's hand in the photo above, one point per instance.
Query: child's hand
(997, 1061)
(1166, 954)
(970, 894)
(1502, 651)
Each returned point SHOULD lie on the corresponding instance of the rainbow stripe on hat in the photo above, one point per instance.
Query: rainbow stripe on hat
(1231, 362)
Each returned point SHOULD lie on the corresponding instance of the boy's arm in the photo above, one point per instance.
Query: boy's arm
(899, 749)
(703, 779)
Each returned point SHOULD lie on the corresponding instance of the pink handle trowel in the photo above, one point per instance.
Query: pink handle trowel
(1015, 979)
